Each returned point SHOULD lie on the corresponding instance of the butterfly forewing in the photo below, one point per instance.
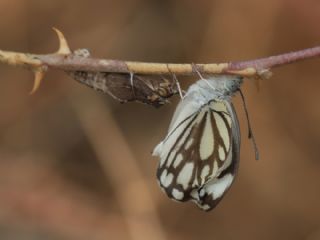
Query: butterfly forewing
(196, 154)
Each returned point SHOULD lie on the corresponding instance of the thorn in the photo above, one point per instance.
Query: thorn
(38, 76)
(63, 44)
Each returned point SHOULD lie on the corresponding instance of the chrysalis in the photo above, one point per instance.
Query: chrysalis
(126, 87)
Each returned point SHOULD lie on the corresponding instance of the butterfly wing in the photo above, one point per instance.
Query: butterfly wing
(201, 149)
(211, 193)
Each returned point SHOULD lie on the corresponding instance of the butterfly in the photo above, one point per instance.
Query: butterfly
(199, 157)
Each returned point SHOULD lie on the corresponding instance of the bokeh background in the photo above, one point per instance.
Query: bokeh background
(76, 164)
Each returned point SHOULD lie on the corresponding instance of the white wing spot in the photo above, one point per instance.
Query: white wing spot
(219, 186)
(188, 144)
(202, 193)
(168, 180)
(207, 140)
(219, 106)
(222, 154)
(185, 174)
(222, 130)
(177, 194)
(204, 207)
(195, 195)
(178, 160)
(165, 178)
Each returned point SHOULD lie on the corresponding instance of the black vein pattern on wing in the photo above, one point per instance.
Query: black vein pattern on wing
(231, 169)
(192, 153)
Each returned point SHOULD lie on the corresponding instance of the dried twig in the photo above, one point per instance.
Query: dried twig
(68, 61)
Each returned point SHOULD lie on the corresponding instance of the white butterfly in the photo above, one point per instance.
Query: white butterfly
(200, 155)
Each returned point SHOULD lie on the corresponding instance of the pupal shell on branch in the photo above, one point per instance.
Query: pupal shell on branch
(149, 89)
(125, 87)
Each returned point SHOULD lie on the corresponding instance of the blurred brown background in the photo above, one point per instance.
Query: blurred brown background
(76, 164)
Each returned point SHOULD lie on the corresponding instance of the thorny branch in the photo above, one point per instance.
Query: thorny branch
(97, 73)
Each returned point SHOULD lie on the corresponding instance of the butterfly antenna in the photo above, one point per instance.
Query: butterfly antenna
(250, 133)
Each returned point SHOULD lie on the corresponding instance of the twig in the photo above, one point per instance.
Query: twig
(246, 68)
(68, 61)
(65, 60)
(278, 60)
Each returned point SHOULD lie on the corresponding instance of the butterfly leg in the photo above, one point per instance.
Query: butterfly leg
(131, 82)
(195, 69)
(181, 92)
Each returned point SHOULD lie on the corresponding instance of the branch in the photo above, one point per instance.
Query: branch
(278, 60)
(245, 69)
(87, 70)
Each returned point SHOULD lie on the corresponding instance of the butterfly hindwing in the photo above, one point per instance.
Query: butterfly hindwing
(210, 194)
(196, 156)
